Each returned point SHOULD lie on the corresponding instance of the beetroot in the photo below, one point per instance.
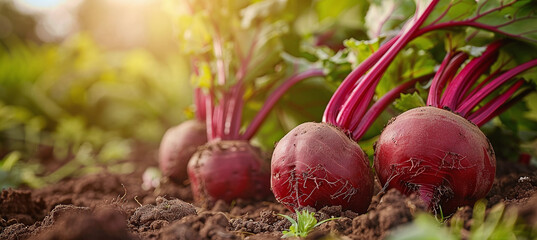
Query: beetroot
(437, 153)
(228, 170)
(442, 155)
(316, 165)
(177, 146)
(228, 167)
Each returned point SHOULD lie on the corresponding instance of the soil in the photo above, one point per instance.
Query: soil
(112, 206)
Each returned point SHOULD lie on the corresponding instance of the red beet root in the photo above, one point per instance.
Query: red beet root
(320, 165)
(317, 165)
(228, 170)
(438, 154)
(177, 147)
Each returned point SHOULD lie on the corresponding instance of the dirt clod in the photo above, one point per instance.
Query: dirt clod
(18, 206)
(83, 224)
(165, 210)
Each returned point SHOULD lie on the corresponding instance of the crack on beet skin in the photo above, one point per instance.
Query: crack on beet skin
(415, 163)
(414, 167)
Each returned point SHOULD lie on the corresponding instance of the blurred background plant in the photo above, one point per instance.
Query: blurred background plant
(81, 82)
(499, 222)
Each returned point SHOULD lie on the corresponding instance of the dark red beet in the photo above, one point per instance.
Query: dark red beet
(438, 154)
(317, 165)
(228, 170)
(177, 146)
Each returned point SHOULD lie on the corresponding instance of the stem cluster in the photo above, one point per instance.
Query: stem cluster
(349, 108)
(463, 93)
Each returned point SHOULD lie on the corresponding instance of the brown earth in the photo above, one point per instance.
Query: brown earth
(108, 206)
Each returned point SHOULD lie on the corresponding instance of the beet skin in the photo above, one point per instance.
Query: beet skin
(317, 165)
(438, 154)
(228, 170)
(177, 146)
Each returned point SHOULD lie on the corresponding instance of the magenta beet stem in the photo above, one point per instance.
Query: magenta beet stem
(334, 105)
(441, 78)
(236, 108)
(468, 75)
(274, 97)
(487, 112)
(437, 83)
(199, 102)
(521, 95)
(472, 101)
(376, 109)
(209, 120)
(361, 96)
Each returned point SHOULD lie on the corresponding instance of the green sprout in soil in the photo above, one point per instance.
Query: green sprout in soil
(439, 215)
(304, 224)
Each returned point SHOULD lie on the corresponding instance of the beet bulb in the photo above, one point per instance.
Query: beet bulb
(228, 170)
(177, 146)
(438, 154)
(317, 165)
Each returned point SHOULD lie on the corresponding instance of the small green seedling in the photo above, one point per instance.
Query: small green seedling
(439, 214)
(304, 224)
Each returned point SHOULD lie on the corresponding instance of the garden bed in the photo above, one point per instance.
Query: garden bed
(111, 206)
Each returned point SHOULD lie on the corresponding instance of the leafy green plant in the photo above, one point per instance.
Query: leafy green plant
(498, 223)
(304, 224)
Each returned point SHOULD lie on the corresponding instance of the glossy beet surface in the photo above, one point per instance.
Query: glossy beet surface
(228, 170)
(317, 165)
(438, 154)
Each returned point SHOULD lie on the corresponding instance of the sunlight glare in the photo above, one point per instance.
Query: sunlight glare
(33, 6)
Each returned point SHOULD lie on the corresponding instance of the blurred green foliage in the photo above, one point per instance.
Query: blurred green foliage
(85, 104)
(126, 92)
(498, 222)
